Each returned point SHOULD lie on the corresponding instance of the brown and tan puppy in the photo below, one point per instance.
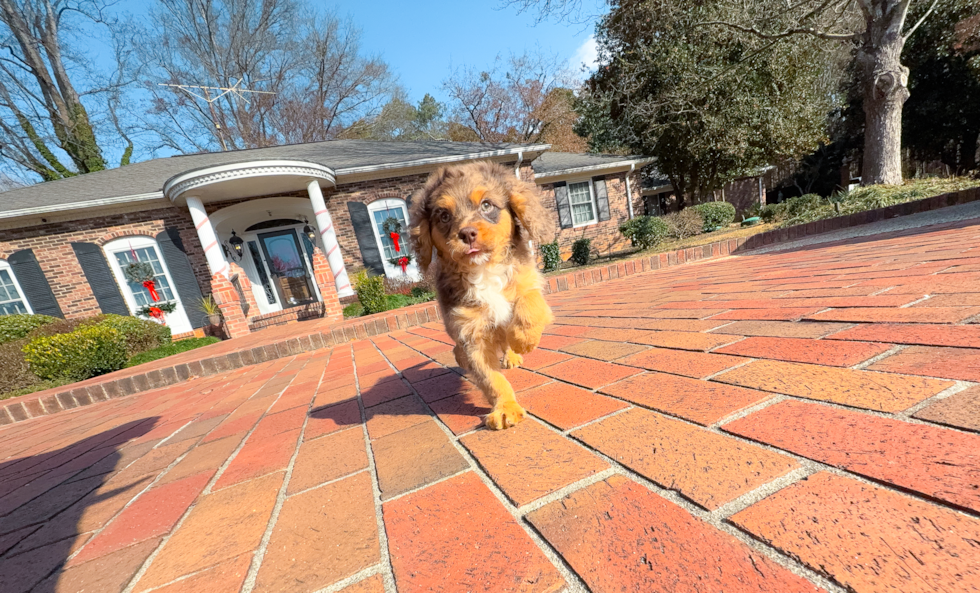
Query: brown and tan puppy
(479, 219)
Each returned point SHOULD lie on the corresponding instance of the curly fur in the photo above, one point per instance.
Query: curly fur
(477, 221)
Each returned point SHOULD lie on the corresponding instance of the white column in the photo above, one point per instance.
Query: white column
(329, 237)
(209, 241)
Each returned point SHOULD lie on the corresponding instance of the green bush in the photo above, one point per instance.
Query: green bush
(716, 214)
(773, 212)
(140, 334)
(645, 231)
(684, 224)
(551, 254)
(86, 352)
(15, 327)
(582, 251)
(371, 292)
(800, 204)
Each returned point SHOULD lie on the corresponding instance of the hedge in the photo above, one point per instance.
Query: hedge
(15, 327)
(86, 352)
(716, 214)
(645, 231)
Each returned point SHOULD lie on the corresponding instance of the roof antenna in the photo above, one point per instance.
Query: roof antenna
(205, 93)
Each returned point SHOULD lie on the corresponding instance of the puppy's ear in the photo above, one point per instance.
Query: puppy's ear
(525, 203)
(418, 212)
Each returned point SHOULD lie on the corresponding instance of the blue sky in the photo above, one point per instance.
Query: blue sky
(422, 41)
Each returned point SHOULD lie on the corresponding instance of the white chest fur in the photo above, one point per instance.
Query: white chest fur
(486, 287)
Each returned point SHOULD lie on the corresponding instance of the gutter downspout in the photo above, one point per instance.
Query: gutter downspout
(629, 192)
(517, 167)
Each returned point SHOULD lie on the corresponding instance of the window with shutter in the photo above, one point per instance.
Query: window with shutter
(12, 301)
(581, 197)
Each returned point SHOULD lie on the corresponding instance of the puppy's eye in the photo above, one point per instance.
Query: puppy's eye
(444, 216)
(486, 207)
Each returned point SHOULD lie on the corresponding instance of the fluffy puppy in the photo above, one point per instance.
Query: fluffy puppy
(479, 219)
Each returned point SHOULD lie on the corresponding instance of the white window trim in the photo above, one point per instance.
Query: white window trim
(595, 205)
(23, 297)
(383, 204)
(115, 246)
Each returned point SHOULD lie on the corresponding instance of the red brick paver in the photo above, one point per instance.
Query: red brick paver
(718, 426)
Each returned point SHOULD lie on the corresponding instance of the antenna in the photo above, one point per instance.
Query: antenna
(235, 90)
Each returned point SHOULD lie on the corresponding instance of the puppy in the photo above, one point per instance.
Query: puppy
(479, 219)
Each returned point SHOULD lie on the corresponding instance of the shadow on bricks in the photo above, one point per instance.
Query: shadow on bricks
(50, 503)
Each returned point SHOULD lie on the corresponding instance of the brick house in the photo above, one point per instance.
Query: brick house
(271, 233)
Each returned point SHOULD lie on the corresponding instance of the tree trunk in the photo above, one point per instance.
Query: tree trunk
(884, 83)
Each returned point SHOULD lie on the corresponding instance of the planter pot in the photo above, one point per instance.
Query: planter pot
(214, 319)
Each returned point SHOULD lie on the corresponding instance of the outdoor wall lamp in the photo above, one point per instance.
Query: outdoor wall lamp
(309, 231)
(237, 246)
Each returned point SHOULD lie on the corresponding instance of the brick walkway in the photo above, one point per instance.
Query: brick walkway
(788, 422)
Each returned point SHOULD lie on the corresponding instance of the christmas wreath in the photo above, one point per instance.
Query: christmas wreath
(157, 310)
(393, 227)
(139, 272)
(401, 260)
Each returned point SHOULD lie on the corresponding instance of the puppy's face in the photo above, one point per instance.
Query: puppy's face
(471, 213)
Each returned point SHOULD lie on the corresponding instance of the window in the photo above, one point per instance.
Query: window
(140, 294)
(12, 301)
(582, 200)
(397, 212)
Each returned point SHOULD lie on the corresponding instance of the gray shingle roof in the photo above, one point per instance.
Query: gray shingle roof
(149, 176)
(551, 163)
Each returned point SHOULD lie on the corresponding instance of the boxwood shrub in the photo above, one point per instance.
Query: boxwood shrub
(140, 334)
(15, 327)
(716, 214)
(582, 251)
(645, 231)
(551, 254)
(86, 352)
(371, 292)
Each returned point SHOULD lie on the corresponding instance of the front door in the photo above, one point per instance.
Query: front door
(290, 276)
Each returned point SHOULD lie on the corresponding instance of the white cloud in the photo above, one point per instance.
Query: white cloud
(586, 55)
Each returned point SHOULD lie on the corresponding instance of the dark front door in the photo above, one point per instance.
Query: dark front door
(289, 274)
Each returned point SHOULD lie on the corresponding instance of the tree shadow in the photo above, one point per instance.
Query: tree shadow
(50, 502)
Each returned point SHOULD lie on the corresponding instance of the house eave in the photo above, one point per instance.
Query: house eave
(615, 167)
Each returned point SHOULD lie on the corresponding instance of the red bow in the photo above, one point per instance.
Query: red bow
(394, 239)
(403, 262)
(156, 313)
(151, 286)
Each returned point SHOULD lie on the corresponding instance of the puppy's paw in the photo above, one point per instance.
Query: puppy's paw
(511, 360)
(504, 415)
(524, 339)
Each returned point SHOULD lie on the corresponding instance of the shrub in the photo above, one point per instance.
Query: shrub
(86, 352)
(551, 254)
(773, 212)
(140, 334)
(371, 292)
(582, 251)
(16, 374)
(716, 214)
(402, 285)
(685, 223)
(645, 231)
(420, 292)
(15, 327)
(800, 204)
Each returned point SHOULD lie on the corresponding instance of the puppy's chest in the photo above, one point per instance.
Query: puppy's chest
(487, 289)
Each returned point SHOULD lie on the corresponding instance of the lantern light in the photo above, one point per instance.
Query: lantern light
(309, 231)
(237, 246)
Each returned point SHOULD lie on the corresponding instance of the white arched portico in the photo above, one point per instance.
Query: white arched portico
(255, 179)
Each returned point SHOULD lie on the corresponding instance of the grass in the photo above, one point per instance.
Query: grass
(869, 198)
(395, 301)
(170, 350)
(41, 386)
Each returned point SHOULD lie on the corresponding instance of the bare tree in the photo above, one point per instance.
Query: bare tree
(310, 64)
(43, 116)
(520, 99)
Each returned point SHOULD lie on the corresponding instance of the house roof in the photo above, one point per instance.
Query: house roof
(145, 180)
(556, 164)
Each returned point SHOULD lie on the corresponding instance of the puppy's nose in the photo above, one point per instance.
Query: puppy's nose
(467, 235)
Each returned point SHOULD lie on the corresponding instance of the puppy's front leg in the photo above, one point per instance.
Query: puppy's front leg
(531, 315)
(485, 369)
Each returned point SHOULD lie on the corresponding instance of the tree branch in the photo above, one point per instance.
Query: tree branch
(924, 17)
(787, 32)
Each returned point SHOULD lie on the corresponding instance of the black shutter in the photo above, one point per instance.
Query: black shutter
(360, 218)
(36, 289)
(188, 290)
(564, 209)
(601, 197)
(100, 278)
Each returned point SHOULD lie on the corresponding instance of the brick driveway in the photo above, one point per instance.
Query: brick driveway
(788, 422)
